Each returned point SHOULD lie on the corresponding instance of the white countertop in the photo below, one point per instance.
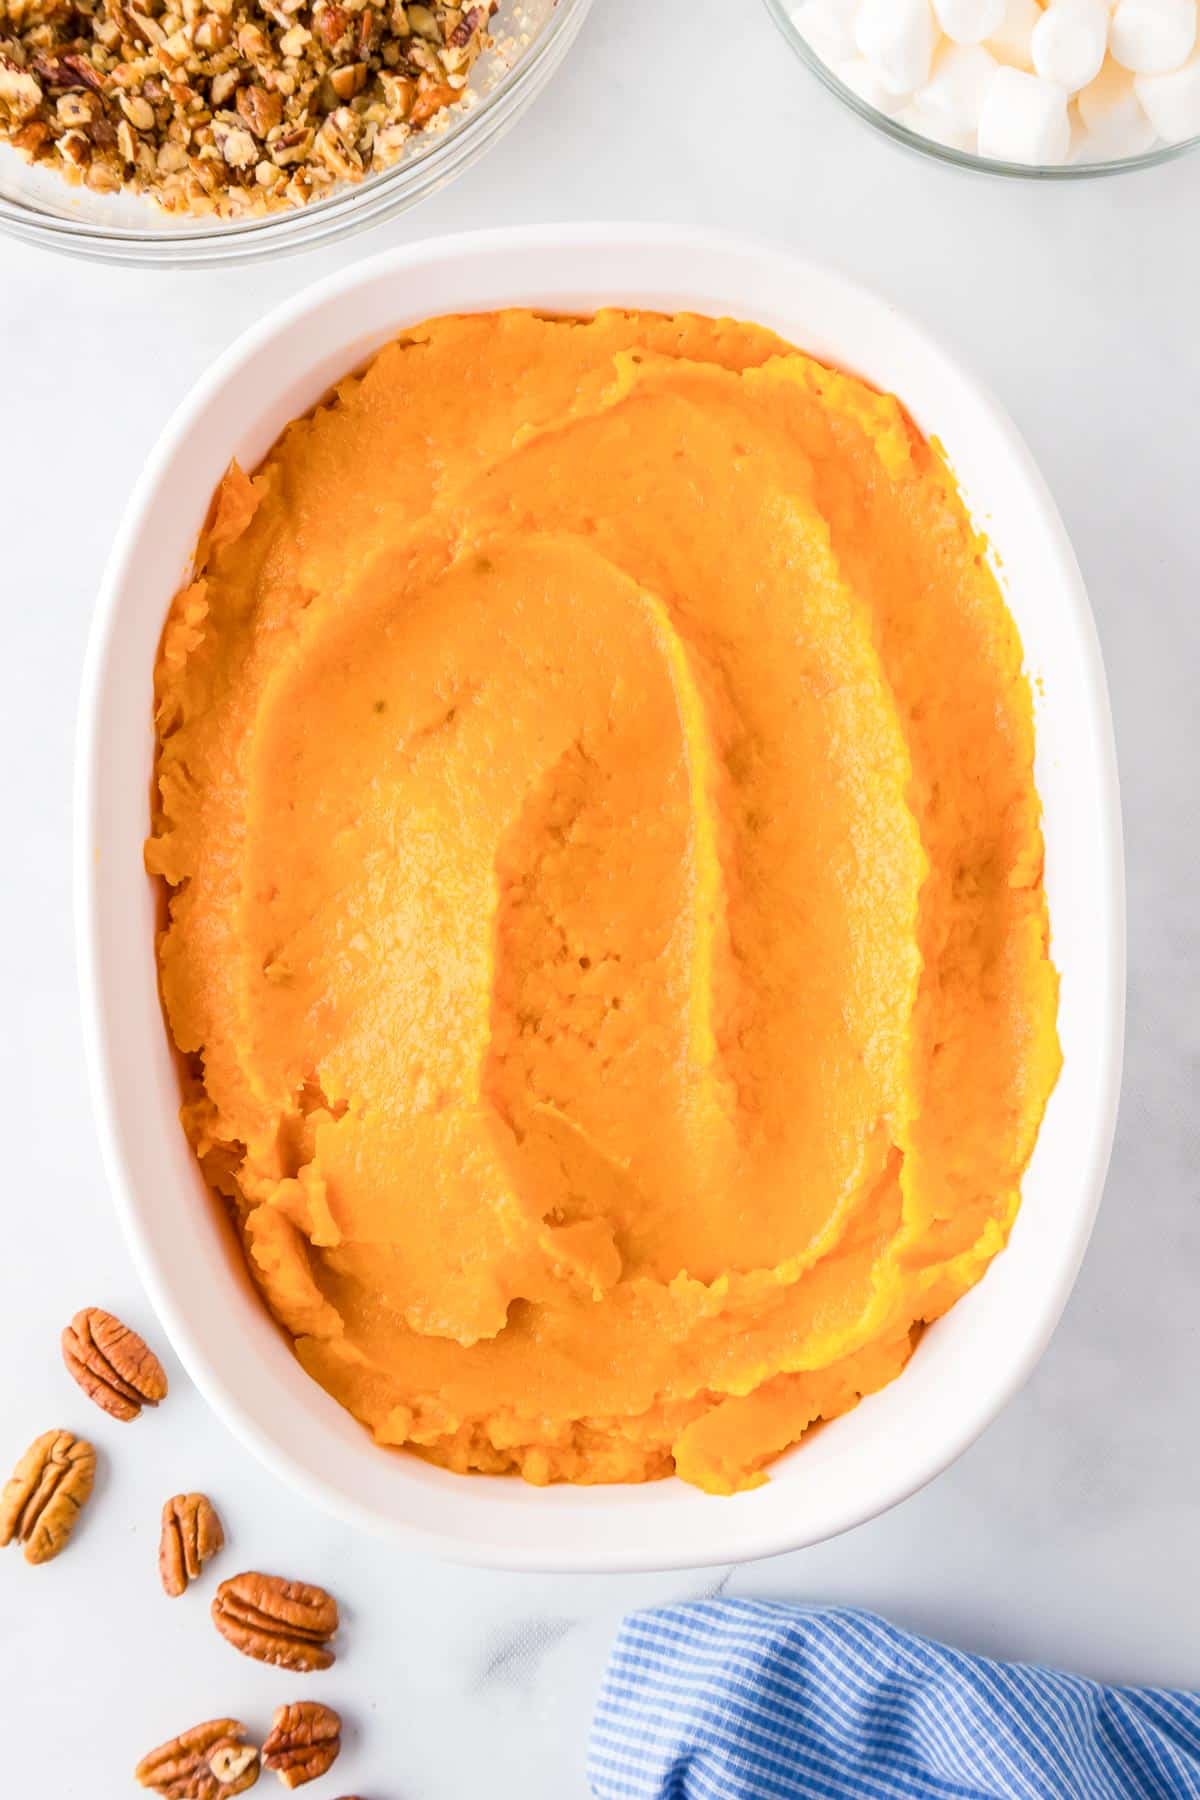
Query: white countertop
(1070, 1532)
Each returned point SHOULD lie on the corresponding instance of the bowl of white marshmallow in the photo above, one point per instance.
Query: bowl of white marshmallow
(1049, 88)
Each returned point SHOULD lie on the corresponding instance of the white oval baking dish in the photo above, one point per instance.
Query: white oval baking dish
(973, 1360)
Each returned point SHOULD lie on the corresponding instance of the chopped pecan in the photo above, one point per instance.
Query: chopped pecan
(42, 1498)
(68, 72)
(470, 22)
(304, 1742)
(287, 1623)
(20, 92)
(254, 43)
(292, 147)
(348, 80)
(331, 23)
(237, 147)
(230, 106)
(76, 109)
(423, 21)
(30, 138)
(431, 98)
(369, 31)
(112, 1364)
(191, 1535)
(76, 147)
(335, 144)
(207, 1762)
(139, 112)
(260, 109)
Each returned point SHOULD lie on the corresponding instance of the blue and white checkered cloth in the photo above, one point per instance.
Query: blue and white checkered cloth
(758, 1700)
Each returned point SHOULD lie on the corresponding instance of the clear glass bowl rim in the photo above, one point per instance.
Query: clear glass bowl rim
(962, 159)
(446, 155)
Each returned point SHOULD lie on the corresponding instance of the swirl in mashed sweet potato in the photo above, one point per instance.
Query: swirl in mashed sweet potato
(606, 929)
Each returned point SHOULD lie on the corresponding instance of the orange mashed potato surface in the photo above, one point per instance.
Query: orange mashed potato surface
(606, 934)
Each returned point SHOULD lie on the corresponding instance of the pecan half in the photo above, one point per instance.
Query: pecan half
(209, 1762)
(276, 1621)
(191, 1534)
(42, 1499)
(304, 1742)
(112, 1364)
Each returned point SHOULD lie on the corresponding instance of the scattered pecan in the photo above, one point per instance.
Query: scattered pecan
(112, 1364)
(304, 1742)
(191, 1534)
(42, 1498)
(287, 1623)
(208, 1762)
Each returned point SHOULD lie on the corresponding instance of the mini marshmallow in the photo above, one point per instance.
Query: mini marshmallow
(953, 95)
(1172, 102)
(1152, 37)
(828, 25)
(1069, 42)
(969, 21)
(923, 62)
(935, 127)
(1012, 42)
(1112, 116)
(897, 38)
(1024, 119)
(860, 77)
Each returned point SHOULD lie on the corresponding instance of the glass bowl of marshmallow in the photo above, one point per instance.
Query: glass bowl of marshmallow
(1047, 88)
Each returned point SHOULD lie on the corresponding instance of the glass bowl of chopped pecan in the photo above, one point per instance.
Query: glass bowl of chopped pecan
(196, 132)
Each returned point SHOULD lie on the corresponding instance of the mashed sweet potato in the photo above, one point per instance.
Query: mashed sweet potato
(606, 932)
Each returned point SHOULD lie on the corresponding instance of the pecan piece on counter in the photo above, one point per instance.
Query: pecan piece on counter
(112, 1364)
(42, 1498)
(191, 1534)
(276, 1621)
(304, 1742)
(209, 1762)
